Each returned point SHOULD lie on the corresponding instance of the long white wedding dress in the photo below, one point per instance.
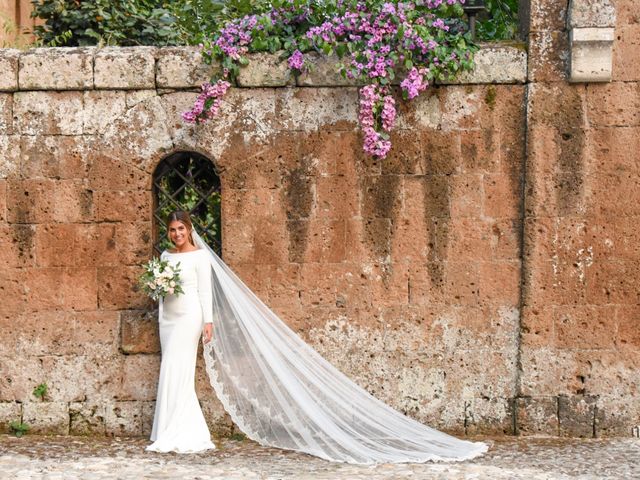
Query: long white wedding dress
(277, 389)
(178, 423)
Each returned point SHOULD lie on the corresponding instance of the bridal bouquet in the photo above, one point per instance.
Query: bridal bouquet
(160, 279)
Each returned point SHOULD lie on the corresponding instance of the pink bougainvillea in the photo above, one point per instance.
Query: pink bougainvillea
(373, 40)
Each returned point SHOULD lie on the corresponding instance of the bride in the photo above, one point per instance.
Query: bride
(276, 388)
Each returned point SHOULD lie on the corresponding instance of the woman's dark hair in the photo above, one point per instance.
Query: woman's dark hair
(183, 217)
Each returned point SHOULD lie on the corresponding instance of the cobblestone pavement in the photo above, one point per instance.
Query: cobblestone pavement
(117, 458)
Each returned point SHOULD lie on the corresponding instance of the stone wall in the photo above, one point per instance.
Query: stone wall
(580, 361)
(405, 273)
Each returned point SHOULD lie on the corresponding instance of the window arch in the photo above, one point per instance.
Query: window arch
(187, 181)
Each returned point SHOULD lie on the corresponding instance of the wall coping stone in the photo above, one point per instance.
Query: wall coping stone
(135, 68)
(56, 69)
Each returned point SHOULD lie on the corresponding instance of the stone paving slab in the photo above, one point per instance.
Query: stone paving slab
(60, 457)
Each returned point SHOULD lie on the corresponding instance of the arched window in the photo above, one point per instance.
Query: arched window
(187, 181)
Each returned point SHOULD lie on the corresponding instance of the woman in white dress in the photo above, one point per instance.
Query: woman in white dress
(277, 389)
(178, 423)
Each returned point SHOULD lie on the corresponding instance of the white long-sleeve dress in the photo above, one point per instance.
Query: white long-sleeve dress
(178, 423)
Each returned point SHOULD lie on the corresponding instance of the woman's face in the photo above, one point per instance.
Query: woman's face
(178, 233)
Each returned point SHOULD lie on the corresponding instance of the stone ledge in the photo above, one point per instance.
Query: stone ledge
(134, 68)
(182, 67)
(126, 68)
(56, 69)
(9, 61)
(496, 64)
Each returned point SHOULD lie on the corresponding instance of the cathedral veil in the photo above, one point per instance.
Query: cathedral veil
(282, 393)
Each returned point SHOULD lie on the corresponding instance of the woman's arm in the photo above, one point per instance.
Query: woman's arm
(203, 271)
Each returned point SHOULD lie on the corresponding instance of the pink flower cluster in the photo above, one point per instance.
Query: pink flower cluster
(296, 60)
(208, 102)
(236, 36)
(414, 82)
(376, 106)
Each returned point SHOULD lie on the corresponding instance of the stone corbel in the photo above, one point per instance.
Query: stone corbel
(591, 34)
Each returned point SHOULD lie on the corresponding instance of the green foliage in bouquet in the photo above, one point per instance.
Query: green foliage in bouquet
(160, 279)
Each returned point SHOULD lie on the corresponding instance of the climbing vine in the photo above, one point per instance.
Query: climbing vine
(421, 42)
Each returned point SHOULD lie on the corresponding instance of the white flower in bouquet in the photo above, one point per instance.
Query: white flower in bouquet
(160, 279)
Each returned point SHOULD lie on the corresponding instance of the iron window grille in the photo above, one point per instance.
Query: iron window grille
(187, 181)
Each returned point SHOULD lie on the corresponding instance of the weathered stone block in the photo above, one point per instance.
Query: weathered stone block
(616, 104)
(548, 15)
(139, 377)
(44, 200)
(270, 242)
(9, 412)
(9, 62)
(616, 417)
(576, 415)
(61, 333)
(148, 412)
(119, 206)
(58, 288)
(101, 374)
(3, 200)
(76, 245)
(56, 69)
(537, 416)
(55, 156)
(9, 156)
(219, 422)
(47, 417)
(13, 291)
(337, 197)
(537, 326)
(125, 68)
(124, 419)
(591, 13)
(584, 326)
(6, 111)
(626, 65)
(139, 331)
(18, 241)
(29, 201)
(133, 97)
(496, 64)
(182, 67)
(500, 284)
(48, 113)
(548, 56)
(101, 109)
(499, 200)
(380, 196)
(311, 109)
(183, 134)
(265, 70)
(323, 73)
(122, 139)
(489, 416)
(87, 418)
(108, 173)
(136, 237)
(118, 288)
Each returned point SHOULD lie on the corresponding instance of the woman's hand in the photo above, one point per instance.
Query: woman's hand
(207, 332)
